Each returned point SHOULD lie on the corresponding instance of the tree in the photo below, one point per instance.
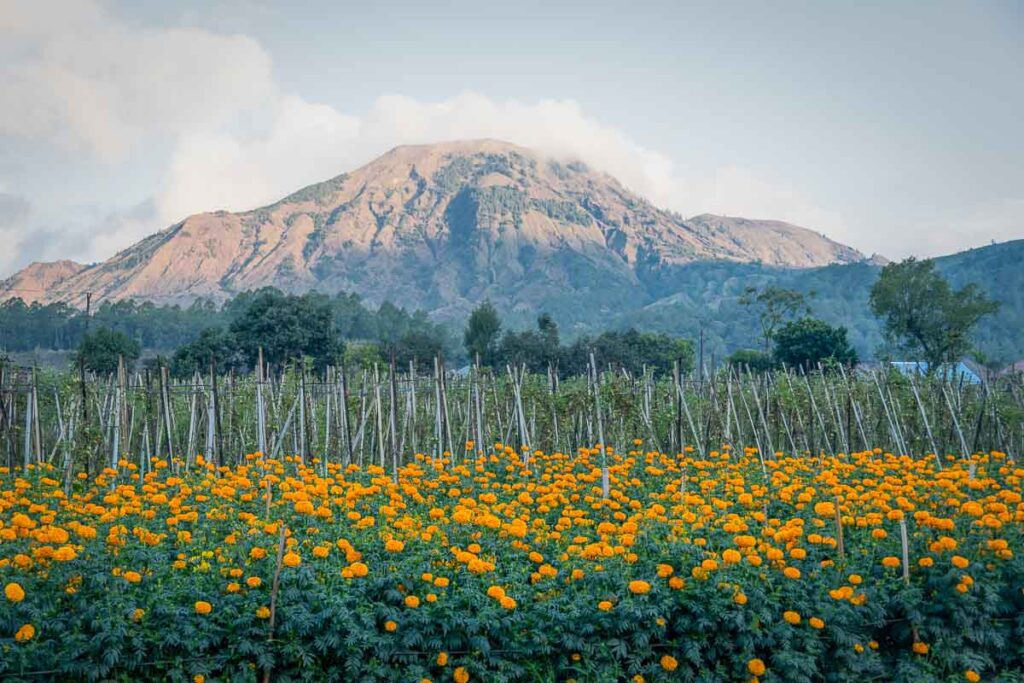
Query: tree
(550, 342)
(287, 327)
(100, 350)
(481, 335)
(537, 350)
(421, 346)
(751, 359)
(923, 315)
(214, 345)
(807, 342)
(775, 305)
(631, 351)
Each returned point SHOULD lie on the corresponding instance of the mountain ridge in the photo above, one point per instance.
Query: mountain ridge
(437, 227)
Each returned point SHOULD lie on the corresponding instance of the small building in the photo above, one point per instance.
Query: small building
(961, 371)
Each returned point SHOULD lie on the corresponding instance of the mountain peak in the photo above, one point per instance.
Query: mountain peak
(439, 227)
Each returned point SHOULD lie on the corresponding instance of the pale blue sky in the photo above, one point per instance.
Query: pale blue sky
(894, 127)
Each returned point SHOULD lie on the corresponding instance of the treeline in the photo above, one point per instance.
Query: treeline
(923, 318)
(333, 330)
(312, 324)
(541, 350)
(59, 327)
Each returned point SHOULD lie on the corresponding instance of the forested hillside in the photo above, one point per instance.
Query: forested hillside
(707, 296)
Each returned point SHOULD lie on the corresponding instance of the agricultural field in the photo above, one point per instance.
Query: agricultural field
(501, 563)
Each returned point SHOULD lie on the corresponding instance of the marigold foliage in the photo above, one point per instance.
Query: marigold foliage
(511, 565)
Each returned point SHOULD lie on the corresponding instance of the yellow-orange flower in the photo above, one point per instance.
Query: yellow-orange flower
(203, 607)
(756, 667)
(14, 592)
(639, 587)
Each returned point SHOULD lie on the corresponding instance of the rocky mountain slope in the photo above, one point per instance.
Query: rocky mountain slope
(438, 227)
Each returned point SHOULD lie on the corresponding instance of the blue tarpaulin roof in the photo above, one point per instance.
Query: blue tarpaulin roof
(956, 372)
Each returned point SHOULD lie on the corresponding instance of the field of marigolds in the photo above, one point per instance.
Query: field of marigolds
(502, 565)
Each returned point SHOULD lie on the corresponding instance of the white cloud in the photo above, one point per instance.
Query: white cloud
(306, 143)
(14, 214)
(76, 75)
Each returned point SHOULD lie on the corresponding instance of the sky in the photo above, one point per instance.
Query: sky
(894, 127)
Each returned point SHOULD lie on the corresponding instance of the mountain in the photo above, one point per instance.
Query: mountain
(40, 281)
(439, 227)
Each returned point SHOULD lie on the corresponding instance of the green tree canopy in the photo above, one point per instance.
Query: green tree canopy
(100, 350)
(807, 342)
(923, 316)
(481, 335)
(287, 327)
(751, 359)
(214, 345)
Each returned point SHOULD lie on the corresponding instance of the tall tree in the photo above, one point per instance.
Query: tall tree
(775, 305)
(923, 315)
(481, 335)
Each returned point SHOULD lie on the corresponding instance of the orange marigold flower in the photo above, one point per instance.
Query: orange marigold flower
(390, 626)
(203, 607)
(756, 667)
(960, 562)
(412, 601)
(920, 648)
(14, 592)
(442, 659)
(891, 562)
(817, 623)
(604, 605)
(26, 633)
(292, 559)
(791, 617)
(460, 675)
(669, 663)
(639, 587)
